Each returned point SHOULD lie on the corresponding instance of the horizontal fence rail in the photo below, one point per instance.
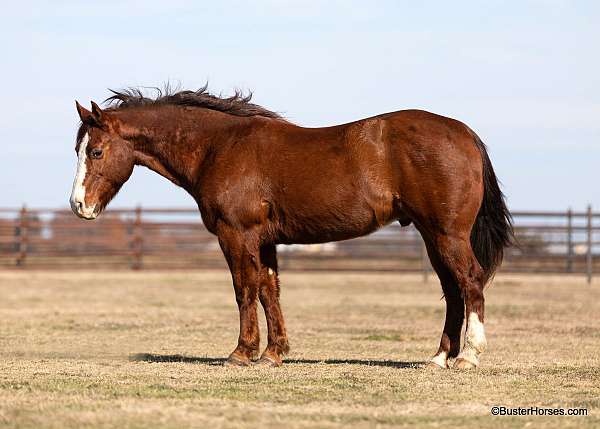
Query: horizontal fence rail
(155, 238)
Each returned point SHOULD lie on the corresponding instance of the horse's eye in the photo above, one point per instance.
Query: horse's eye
(96, 153)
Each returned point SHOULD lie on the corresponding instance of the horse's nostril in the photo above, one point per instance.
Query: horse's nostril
(79, 205)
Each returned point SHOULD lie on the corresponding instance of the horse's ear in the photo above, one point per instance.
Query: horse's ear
(97, 112)
(84, 114)
(93, 118)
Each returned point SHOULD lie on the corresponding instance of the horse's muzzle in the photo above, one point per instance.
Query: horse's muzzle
(87, 213)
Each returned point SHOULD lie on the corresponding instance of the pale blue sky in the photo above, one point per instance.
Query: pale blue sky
(524, 74)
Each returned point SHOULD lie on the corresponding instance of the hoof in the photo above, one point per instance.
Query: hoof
(439, 361)
(434, 366)
(461, 363)
(234, 360)
(267, 362)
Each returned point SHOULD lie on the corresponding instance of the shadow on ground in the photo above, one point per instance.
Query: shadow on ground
(149, 357)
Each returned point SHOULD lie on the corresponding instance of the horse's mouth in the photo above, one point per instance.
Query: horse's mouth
(85, 212)
(91, 216)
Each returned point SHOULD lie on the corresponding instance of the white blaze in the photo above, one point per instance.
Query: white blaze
(78, 191)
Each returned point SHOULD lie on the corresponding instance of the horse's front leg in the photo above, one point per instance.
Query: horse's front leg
(243, 257)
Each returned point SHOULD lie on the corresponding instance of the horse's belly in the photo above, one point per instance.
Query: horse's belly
(334, 225)
(311, 236)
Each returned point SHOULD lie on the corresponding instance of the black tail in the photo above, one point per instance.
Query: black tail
(493, 229)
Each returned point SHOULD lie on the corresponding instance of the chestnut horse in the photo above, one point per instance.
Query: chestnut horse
(260, 180)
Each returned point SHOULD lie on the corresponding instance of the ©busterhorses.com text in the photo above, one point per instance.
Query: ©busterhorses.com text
(537, 411)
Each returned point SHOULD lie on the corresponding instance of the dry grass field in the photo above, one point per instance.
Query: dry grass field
(134, 350)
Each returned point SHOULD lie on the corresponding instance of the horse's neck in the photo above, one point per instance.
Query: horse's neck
(176, 149)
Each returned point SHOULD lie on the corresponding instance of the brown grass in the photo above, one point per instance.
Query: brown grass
(124, 349)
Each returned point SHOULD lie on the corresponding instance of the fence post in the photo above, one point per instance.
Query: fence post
(22, 237)
(137, 239)
(424, 261)
(282, 258)
(588, 262)
(570, 241)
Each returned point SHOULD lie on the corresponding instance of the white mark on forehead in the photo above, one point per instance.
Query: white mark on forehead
(78, 191)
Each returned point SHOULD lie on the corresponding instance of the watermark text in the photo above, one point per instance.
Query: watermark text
(537, 411)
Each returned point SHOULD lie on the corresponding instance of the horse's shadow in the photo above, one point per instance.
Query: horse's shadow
(150, 357)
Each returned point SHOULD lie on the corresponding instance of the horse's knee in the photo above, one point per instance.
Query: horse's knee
(269, 287)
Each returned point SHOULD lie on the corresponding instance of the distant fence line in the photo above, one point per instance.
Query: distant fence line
(156, 238)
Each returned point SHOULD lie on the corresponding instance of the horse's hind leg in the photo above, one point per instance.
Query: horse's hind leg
(456, 254)
(269, 298)
(450, 341)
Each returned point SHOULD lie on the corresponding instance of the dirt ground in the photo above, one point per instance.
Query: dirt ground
(134, 350)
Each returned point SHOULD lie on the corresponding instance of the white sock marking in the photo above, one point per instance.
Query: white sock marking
(475, 342)
(441, 359)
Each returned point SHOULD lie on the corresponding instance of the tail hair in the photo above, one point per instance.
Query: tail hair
(493, 228)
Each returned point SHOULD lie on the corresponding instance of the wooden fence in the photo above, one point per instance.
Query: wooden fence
(150, 238)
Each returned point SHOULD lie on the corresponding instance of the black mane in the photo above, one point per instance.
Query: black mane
(238, 104)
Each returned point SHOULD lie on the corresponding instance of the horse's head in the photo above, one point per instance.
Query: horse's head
(105, 162)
